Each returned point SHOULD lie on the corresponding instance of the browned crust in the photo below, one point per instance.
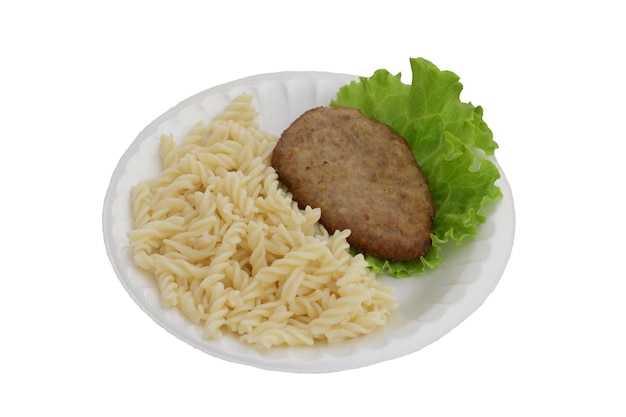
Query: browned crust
(363, 177)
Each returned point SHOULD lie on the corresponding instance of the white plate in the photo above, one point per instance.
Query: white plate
(429, 306)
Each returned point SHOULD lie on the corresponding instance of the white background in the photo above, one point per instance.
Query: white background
(78, 82)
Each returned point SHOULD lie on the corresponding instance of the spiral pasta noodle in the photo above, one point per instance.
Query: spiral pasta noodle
(229, 247)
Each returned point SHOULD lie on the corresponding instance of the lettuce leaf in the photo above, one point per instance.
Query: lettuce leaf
(450, 141)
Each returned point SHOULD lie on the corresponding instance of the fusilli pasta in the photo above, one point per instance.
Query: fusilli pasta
(229, 247)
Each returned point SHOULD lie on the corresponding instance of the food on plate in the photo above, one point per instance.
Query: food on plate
(363, 176)
(451, 142)
(230, 248)
(239, 253)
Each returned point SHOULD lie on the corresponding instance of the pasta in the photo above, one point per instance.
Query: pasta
(229, 247)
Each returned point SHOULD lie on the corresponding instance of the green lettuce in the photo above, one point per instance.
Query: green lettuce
(450, 141)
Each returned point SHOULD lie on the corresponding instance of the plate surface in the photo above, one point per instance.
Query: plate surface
(429, 306)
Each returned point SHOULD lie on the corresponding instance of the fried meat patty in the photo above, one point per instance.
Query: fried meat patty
(363, 177)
